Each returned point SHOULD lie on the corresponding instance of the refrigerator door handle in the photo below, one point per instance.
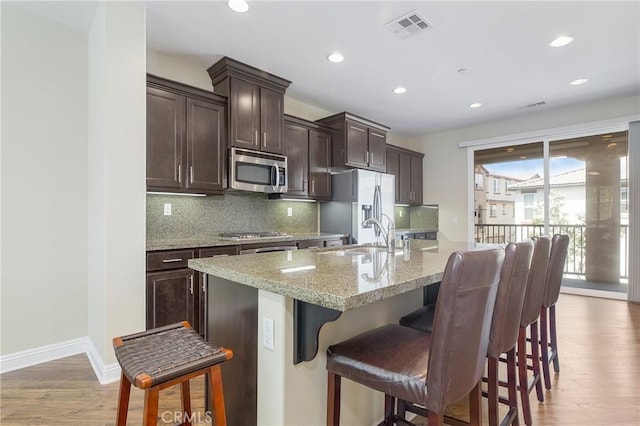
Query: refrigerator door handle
(377, 207)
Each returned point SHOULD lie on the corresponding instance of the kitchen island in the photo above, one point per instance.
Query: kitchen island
(359, 287)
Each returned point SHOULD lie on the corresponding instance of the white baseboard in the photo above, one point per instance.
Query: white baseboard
(104, 373)
(22, 359)
(593, 293)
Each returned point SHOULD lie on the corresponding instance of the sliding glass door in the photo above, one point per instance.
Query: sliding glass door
(575, 186)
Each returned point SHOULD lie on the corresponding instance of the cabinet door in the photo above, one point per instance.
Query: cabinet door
(297, 151)
(170, 297)
(392, 169)
(271, 121)
(165, 118)
(416, 180)
(377, 150)
(319, 165)
(244, 113)
(404, 166)
(357, 145)
(205, 146)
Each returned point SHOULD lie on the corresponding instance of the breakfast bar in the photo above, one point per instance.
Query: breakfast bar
(278, 311)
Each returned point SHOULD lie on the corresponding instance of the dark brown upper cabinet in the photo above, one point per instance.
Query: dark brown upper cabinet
(185, 138)
(358, 142)
(307, 147)
(406, 166)
(256, 104)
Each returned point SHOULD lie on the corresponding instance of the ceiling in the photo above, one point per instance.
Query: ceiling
(504, 46)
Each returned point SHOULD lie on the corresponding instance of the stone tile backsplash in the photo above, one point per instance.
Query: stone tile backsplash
(246, 211)
(242, 211)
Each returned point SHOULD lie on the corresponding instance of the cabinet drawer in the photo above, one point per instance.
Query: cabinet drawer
(432, 236)
(218, 251)
(174, 259)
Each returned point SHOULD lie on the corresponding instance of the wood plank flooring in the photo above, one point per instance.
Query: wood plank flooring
(599, 382)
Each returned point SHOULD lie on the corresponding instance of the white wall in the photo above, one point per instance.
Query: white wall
(117, 191)
(44, 182)
(445, 165)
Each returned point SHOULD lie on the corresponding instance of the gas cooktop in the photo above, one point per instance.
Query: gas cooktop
(251, 235)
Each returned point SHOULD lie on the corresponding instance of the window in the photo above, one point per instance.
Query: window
(492, 210)
(504, 210)
(528, 206)
(496, 185)
(479, 181)
(507, 184)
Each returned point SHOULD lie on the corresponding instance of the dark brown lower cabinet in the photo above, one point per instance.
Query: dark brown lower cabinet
(170, 297)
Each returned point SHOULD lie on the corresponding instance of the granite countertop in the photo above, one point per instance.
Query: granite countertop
(335, 277)
(198, 242)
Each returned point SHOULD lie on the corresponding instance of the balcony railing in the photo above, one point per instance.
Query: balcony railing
(575, 263)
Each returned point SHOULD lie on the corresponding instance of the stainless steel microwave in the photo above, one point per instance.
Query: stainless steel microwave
(257, 171)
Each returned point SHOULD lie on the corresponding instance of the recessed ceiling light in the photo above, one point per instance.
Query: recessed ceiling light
(399, 90)
(579, 81)
(561, 41)
(612, 144)
(510, 149)
(239, 6)
(522, 157)
(335, 57)
(475, 105)
(594, 173)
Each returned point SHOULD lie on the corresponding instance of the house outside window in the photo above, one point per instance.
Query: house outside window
(507, 183)
(479, 181)
(492, 210)
(504, 210)
(496, 185)
(529, 206)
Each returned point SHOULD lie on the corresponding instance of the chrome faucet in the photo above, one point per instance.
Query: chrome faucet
(388, 234)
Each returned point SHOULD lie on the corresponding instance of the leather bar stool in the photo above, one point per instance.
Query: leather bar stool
(166, 356)
(504, 329)
(530, 312)
(548, 334)
(433, 369)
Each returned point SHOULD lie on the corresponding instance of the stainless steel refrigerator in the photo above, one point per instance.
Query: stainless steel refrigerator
(357, 195)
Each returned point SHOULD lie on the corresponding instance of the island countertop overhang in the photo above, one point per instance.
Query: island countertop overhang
(335, 278)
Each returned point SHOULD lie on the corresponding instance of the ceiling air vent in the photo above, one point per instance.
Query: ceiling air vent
(537, 104)
(407, 25)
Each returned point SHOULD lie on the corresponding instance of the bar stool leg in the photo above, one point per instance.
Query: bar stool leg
(523, 381)
(435, 419)
(511, 386)
(123, 400)
(535, 357)
(333, 399)
(544, 348)
(217, 395)
(554, 338)
(475, 405)
(150, 415)
(492, 390)
(186, 403)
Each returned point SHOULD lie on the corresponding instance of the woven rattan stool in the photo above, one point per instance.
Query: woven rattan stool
(157, 359)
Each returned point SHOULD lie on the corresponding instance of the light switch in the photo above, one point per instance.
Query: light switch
(167, 209)
(289, 211)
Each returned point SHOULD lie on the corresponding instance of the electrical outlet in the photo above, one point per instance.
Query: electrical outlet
(267, 333)
(289, 211)
(167, 209)
(400, 213)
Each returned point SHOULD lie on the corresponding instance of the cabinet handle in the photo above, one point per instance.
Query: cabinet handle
(366, 157)
(372, 157)
(190, 174)
(191, 283)
(264, 139)
(256, 137)
(313, 186)
(204, 282)
(171, 260)
(179, 173)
